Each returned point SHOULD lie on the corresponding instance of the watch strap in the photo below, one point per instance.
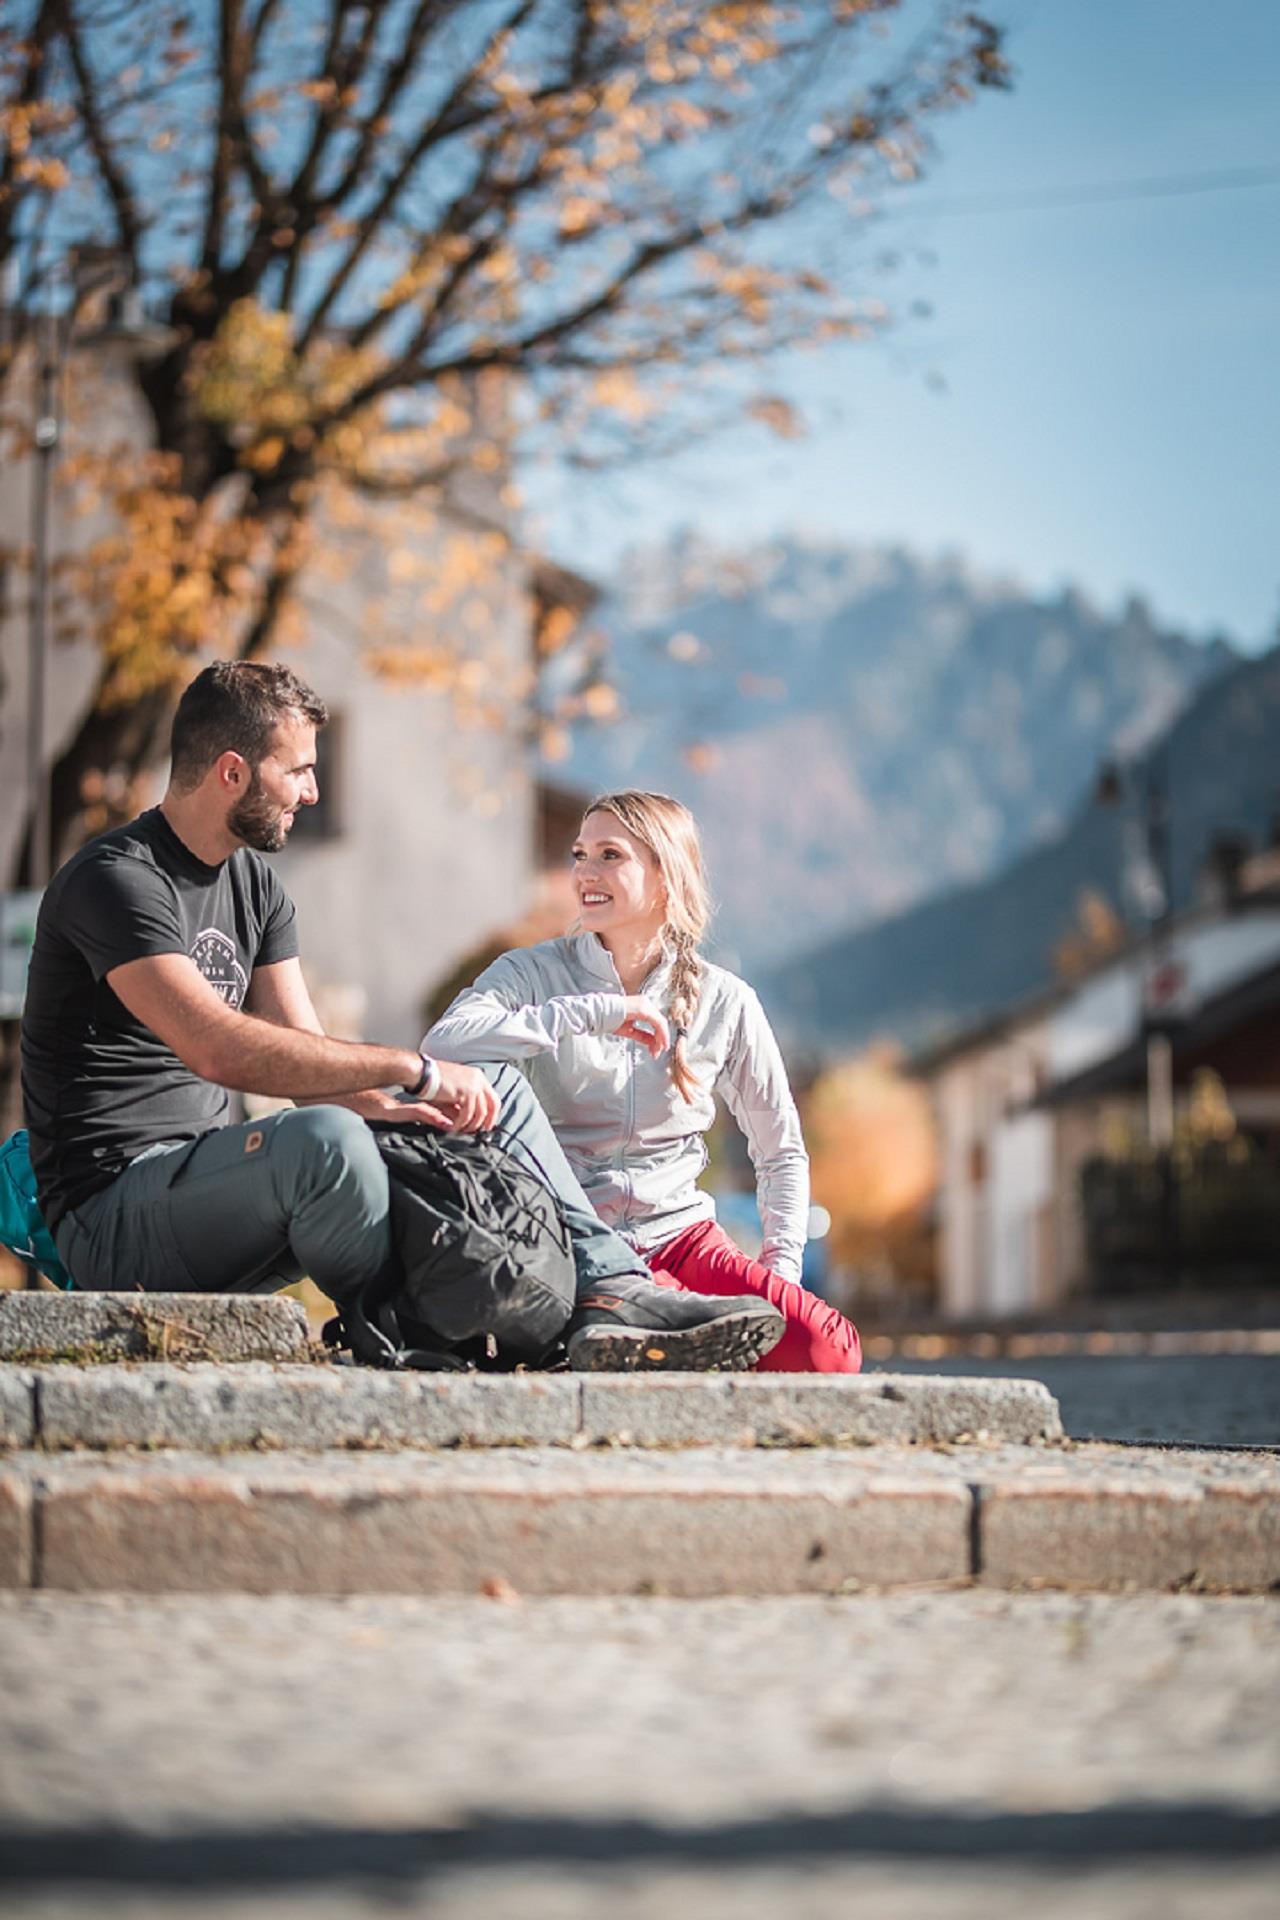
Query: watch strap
(428, 1083)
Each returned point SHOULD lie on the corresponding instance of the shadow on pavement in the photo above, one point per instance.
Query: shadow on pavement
(223, 1859)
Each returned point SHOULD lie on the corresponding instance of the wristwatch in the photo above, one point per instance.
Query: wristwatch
(427, 1084)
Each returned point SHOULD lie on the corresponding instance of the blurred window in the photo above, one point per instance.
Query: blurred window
(326, 820)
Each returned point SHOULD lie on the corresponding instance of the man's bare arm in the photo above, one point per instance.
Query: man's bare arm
(167, 993)
(280, 993)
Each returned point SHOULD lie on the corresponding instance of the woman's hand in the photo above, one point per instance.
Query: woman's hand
(644, 1023)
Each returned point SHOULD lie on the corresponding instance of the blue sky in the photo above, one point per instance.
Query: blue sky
(1096, 398)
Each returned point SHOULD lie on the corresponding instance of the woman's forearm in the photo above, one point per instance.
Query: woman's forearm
(782, 1191)
(480, 1026)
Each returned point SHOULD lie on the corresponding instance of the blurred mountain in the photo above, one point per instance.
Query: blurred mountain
(977, 949)
(857, 729)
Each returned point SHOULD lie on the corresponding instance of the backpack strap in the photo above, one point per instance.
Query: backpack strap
(381, 1345)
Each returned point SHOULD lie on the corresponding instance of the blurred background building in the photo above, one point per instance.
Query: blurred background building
(431, 825)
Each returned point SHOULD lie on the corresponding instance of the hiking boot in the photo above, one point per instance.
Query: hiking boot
(647, 1325)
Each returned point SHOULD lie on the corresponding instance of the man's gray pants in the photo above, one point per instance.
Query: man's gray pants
(249, 1209)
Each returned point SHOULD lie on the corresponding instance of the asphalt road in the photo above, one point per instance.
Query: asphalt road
(1219, 1400)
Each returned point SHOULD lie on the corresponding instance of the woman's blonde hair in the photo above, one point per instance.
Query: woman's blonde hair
(669, 831)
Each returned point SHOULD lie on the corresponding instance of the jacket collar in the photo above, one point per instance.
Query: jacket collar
(597, 960)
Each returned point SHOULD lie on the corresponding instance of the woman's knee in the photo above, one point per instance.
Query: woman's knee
(501, 1074)
(510, 1085)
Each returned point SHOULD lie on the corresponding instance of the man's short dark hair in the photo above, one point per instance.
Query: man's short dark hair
(234, 706)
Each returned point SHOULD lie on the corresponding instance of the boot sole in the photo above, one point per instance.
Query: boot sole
(728, 1345)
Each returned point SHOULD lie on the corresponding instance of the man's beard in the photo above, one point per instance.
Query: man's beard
(258, 821)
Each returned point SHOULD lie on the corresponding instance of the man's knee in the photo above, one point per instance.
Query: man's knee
(327, 1141)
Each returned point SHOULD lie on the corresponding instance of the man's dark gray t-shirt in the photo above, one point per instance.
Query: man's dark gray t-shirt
(98, 1086)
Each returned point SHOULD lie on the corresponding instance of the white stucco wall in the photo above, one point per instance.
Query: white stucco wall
(1021, 1188)
(991, 1245)
(961, 1212)
(1012, 1241)
(436, 841)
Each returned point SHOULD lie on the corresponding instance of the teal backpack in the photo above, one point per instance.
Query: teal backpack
(22, 1227)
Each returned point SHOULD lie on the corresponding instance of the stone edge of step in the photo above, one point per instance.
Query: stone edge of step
(314, 1408)
(97, 1328)
(705, 1522)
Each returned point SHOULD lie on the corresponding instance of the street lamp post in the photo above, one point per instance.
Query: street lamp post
(46, 433)
(1151, 881)
(1160, 985)
(89, 271)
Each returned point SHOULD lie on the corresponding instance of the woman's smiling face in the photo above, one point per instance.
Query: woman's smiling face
(616, 878)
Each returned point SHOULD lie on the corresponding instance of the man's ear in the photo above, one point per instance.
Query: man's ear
(231, 770)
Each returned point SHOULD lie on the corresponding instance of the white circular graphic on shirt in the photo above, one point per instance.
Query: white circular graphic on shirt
(215, 956)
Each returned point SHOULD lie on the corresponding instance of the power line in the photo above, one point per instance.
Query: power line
(1103, 192)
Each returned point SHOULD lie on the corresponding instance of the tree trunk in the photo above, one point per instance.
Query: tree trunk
(127, 740)
(119, 740)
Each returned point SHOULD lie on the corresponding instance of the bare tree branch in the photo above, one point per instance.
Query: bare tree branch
(426, 17)
(28, 93)
(224, 136)
(120, 193)
(262, 21)
(342, 68)
(375, 219)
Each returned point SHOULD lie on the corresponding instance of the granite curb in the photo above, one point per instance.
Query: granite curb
(313, 1408)
(96, 1327)
(704, 1522)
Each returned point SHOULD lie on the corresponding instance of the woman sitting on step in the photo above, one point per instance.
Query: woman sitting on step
(627, 1033)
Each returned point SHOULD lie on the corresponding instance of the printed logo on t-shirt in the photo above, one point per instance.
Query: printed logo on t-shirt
(215, 956)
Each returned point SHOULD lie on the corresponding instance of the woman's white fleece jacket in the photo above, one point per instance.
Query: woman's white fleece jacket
(635, 1144)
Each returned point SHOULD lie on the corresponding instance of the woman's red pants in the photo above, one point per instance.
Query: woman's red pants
(817, 1339)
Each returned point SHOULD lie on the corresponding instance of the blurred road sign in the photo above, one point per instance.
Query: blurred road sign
(1167, 991)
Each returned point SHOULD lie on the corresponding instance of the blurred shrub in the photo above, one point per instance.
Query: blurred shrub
(874, 1159)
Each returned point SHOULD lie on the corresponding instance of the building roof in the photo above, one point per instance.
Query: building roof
(1258, 890)
(1215, 1019)
(988, 1031)
(560, 586)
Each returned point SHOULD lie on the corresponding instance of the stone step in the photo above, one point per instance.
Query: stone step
(710, 1521)
(312, 1407)
(91, 1327)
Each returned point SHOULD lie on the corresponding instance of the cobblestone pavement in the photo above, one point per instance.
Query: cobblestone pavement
(969, 1756)
(1191, 1399)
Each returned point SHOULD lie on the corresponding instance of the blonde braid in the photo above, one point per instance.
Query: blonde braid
(686, 973)
(667, 829)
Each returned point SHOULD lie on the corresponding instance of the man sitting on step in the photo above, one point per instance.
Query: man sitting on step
(165, 970)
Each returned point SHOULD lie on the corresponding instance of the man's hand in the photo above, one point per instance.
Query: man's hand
(464, 1099)
(644, 1023)
(376, 1105)
(464, 1103)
